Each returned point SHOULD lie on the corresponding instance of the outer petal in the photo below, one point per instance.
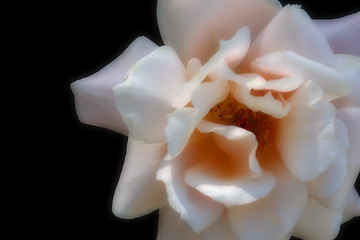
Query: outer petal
(343, 34)
(145, 98)
(306, 136)
(194, 27)
(318, 222)
(352, 208)
(138, 191)
(349, 67)
(94, 98)
(293, 65)
(199, 211)
(293, 30)
(274, 216)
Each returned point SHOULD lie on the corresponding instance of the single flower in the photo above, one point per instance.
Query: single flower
(245, 119)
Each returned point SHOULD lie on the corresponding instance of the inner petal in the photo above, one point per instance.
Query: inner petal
(231, 112)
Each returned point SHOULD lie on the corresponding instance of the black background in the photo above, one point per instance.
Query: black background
(84, 162)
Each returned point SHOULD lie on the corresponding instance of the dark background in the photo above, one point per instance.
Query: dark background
(84, 167)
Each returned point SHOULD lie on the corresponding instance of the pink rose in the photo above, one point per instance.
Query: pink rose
(244, 125)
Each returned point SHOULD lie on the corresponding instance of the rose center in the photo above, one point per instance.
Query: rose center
(231, 112)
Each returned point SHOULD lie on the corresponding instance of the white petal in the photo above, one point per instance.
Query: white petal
(239, 145)
(266, 104)
(293, 65)
(349, 67)
(144, 99)
(352, 208)
(231, 50)
(343, 34)
(285, 84)
(230, 192)
(274, 216)
(195, 27)
(183, 121)
(306, 136)
(198, 210)
(318, 222)
(331, 179)
(94, 98)
(293, 30)
(138, 191)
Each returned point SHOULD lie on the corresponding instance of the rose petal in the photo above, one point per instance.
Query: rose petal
(138, 191)
(230, 51)
(194, 28)
(198, 210)
(306, 136)
(274, 216)
(349, 67)
(94, 98)
(352, 208)
(293, 30)
(318, 222)
(331, 179)
(144, 99)
(183, 121)
(343, 34)
(293, 65)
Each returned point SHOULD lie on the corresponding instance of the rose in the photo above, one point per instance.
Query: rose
(263, 134)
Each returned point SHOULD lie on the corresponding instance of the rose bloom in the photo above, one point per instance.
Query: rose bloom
(244, 125)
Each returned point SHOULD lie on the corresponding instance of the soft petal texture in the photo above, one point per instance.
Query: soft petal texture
(318, 222)
(144, 98)
(171, 226)
(349, 67)
(195, 27)
(138, 191)
(94, 98)
(306, 136)
(199, 211)
(343, 34)
(293, 65)
(352, 208)
(272, 217)
(332, 179)
(293, 30)
(230, 52)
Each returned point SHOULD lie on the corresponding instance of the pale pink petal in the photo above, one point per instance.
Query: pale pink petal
(293, 30)
(94, 97)
(183, 121)
(230, 52)
(343, 34)
(145, 97)
(352, 208)
(138, 191)
(333, 177)
(318, 222)
(349, 67)
(306, 136)
(293, 65)
(274, 216)
(198, 210)
(195, 27)
(171, 226)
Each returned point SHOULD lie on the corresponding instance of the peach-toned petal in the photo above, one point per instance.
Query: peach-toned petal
(94, 98)
(343, 34)
(307, 156)
(349, 67)
(318, 222)
(198, 210)
(138, 191)
(333, 177)
(293, 30)
(144, 98)
(195, 27)
(274, 216)
(293, 65)
(230, 51)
